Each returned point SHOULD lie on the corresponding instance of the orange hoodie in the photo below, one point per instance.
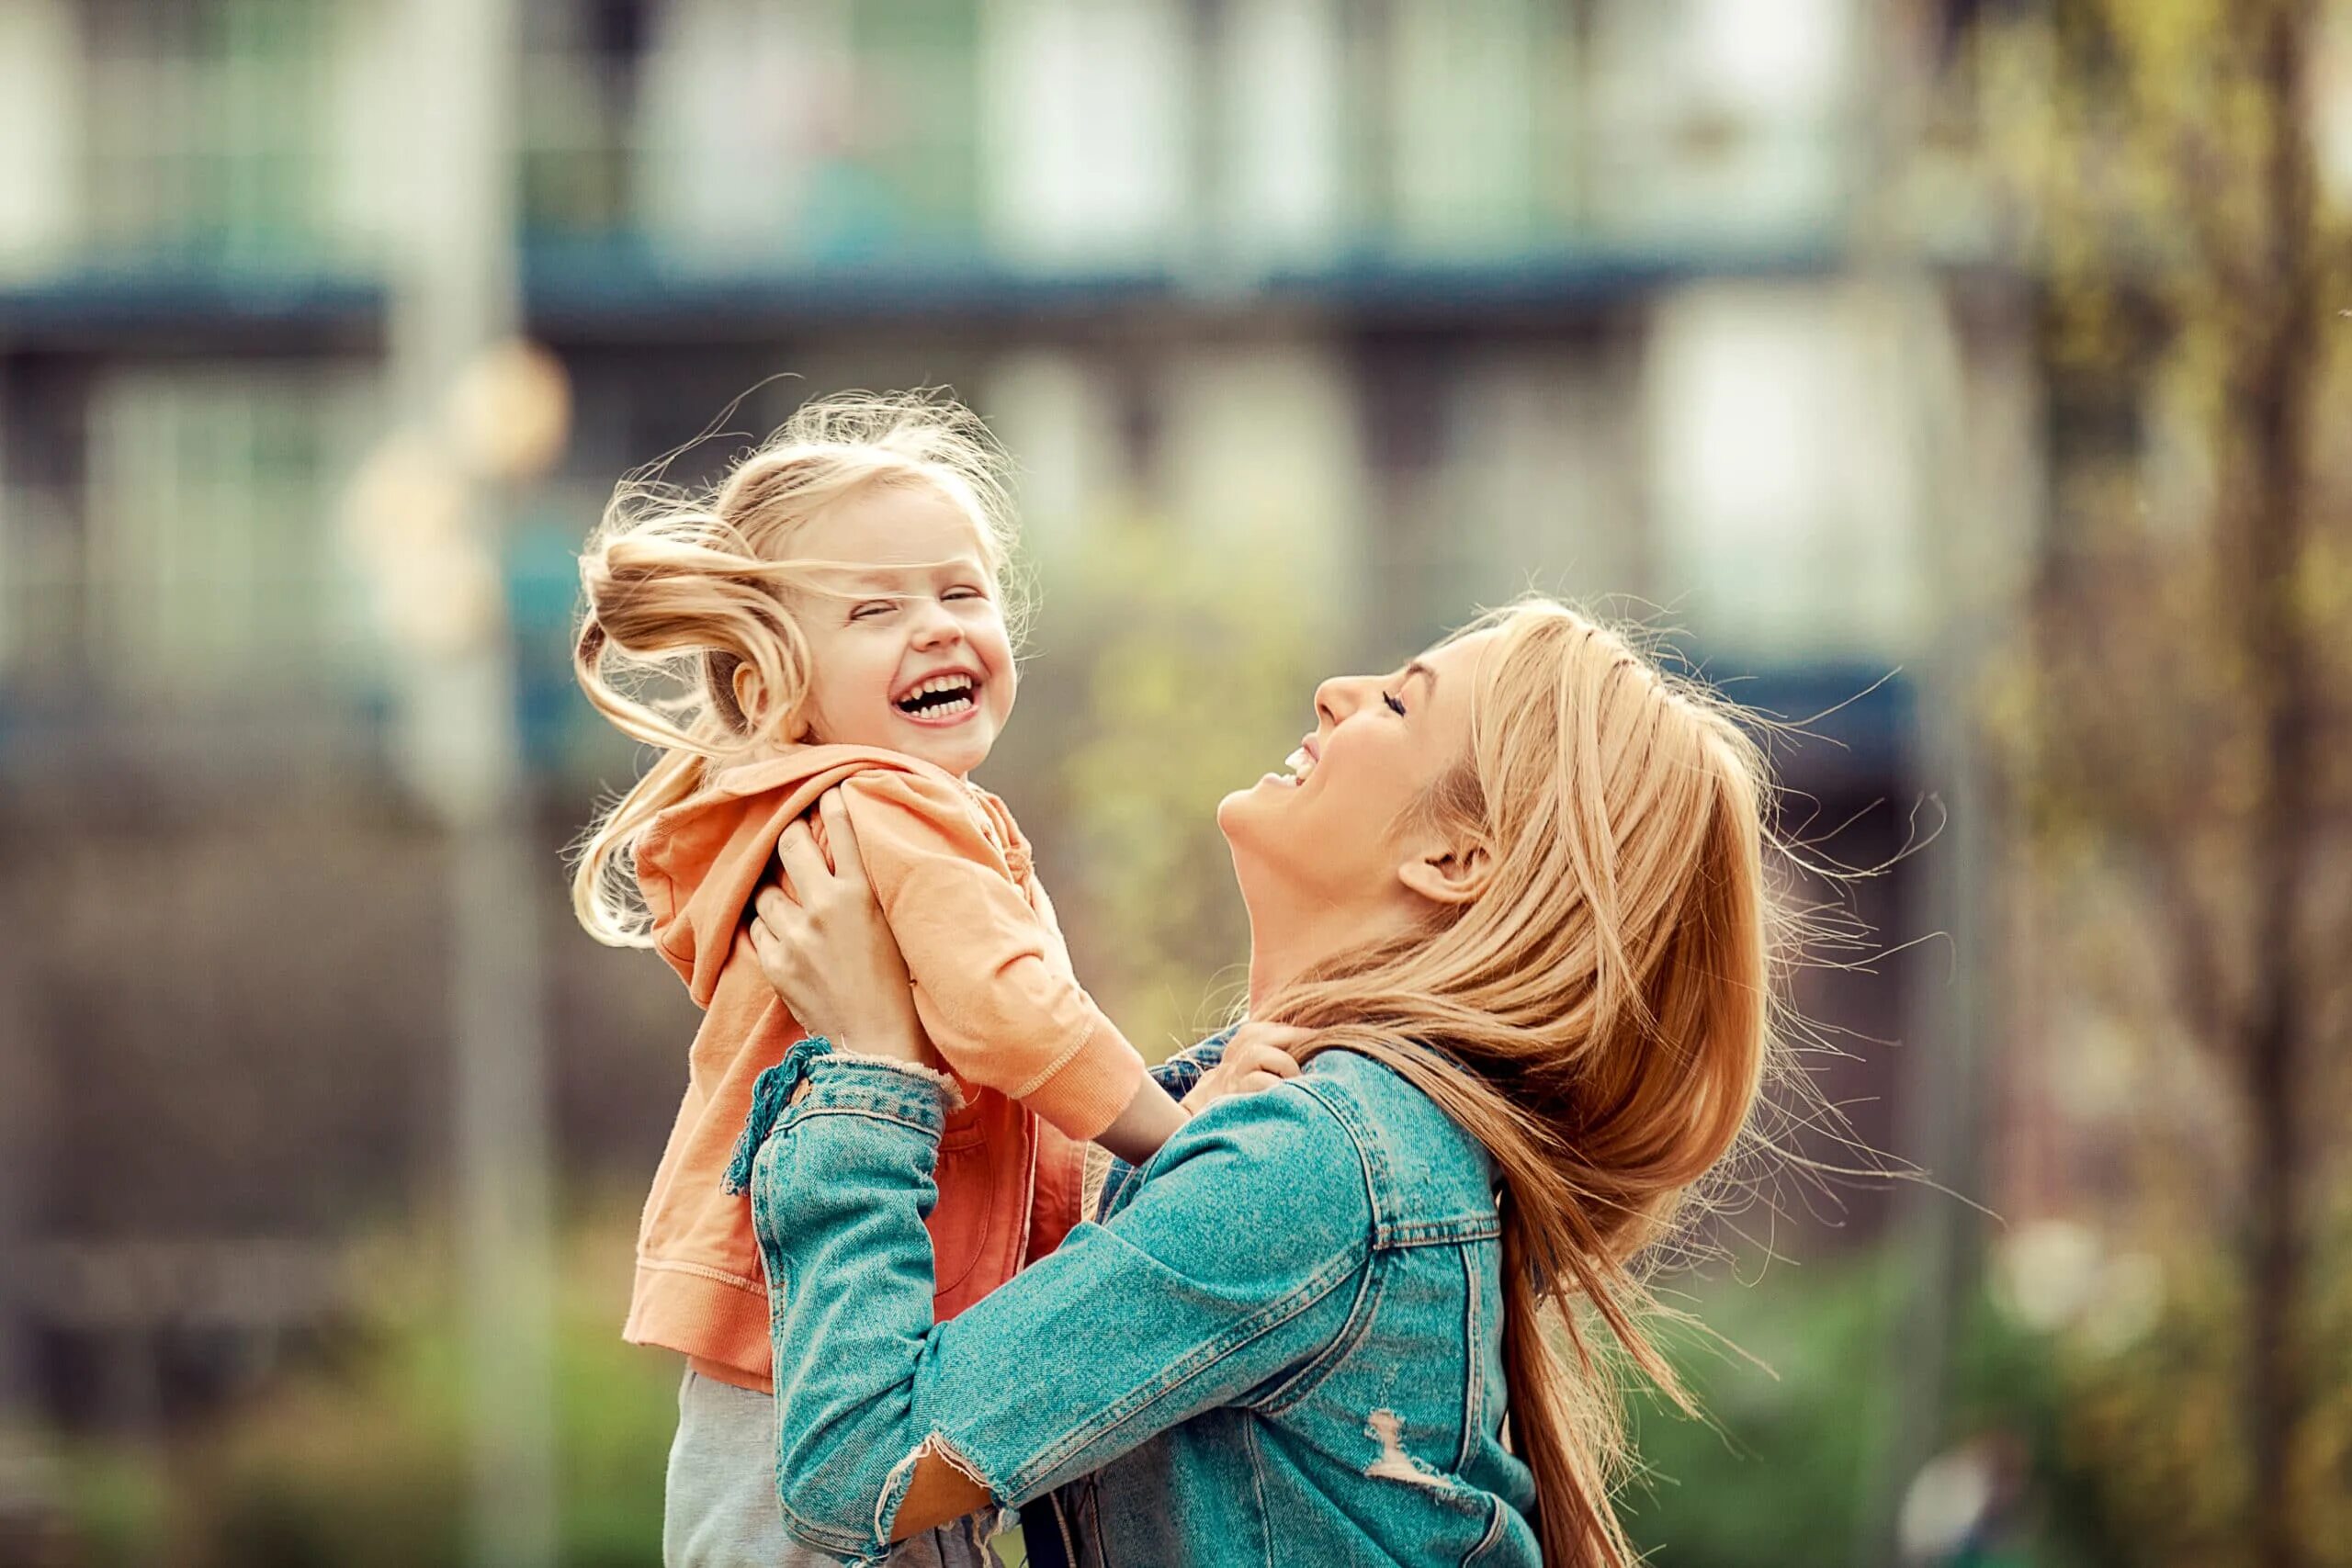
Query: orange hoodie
(1041, 1070)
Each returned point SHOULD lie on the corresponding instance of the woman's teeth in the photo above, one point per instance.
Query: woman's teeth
(1300, 764)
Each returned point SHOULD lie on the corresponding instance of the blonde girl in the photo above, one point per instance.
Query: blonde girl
(832, 620)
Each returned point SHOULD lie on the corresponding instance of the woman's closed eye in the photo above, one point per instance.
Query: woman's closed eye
(1394, 705)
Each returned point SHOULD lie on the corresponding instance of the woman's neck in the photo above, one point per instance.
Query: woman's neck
(1282, 947)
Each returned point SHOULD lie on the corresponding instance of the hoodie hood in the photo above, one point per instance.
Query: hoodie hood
(701, 862)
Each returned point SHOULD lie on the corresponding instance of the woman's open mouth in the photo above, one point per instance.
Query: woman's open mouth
(1301, 764)
(940, 699)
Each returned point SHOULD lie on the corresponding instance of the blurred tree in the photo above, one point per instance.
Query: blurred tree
(2181, 706)
(1171, 670)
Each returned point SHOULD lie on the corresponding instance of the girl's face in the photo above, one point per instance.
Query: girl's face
(1328, 839)
(912, 655)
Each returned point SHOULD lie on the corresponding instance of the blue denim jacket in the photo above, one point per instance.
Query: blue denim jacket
(1281, 1344)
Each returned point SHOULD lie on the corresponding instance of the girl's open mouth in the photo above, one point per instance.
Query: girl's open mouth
(940, 700)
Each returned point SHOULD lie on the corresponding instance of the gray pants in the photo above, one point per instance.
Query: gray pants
(720, 1507)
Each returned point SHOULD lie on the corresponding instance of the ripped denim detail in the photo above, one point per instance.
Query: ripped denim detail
(771, 1096)
(976, 1527)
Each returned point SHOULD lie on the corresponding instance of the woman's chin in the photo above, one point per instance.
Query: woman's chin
(1249, 813)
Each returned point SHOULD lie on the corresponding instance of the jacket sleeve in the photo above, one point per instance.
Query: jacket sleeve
(1002, 1013)
(1179, 1075)
(1239, 1260)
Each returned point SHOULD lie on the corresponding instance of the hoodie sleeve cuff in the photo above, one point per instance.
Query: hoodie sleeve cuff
(1085, 1092)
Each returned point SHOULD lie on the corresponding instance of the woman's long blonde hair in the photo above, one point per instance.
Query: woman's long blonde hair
(687, 587)
(1599, 1016)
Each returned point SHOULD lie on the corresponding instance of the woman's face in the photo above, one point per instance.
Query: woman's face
(1330, 835)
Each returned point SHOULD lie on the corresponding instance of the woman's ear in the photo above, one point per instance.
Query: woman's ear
(747, 689)
(1448, 874)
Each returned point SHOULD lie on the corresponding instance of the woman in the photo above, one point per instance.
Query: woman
(1514, 894)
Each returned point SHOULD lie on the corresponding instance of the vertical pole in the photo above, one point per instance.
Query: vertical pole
(21, 1502)
(1944, 1122)
(459, 293)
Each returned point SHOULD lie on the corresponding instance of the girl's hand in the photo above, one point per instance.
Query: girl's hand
(823, 945)
(1256, 1057)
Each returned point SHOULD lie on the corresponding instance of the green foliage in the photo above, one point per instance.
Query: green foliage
(1773, 1473)
(1791, 1372)
(2142, 1442)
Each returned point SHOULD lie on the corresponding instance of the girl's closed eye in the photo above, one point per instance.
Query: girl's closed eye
(872, 609)
(1395, 706)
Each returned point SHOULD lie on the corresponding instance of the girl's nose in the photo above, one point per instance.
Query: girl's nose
(935, 628)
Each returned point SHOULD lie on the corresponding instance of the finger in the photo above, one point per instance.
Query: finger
(1262, 1058)
(1256, 1083)
(774, 906)
(802, 862)
(766, 946)
(773, 937)
(841, 837)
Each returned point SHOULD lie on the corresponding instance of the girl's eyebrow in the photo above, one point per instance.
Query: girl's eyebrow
(1423, 671)
(885, 576)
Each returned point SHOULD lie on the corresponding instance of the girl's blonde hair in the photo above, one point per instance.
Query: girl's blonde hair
(1599, 1016)
(689, 587)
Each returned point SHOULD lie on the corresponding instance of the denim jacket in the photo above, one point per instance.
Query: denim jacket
(1282, 1343)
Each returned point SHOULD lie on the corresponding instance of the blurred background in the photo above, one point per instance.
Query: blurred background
(1965, 379)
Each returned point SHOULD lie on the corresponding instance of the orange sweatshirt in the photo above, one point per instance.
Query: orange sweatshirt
(1041, 1070)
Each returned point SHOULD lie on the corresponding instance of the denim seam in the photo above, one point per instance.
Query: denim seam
(1369, 1154)
(839, 1542)
(1442, 1232)
(1497, 1514)
(1351, 1333)
(1473, 1362)
(1258, 1488)
(895, 1115)
(838, 1095)
(1311, 1291)
(910, 1079)
(1380, 1184)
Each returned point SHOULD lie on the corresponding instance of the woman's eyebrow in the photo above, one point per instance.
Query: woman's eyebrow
(1423, 671)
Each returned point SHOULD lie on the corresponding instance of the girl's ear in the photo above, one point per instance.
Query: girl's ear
(1447, 875)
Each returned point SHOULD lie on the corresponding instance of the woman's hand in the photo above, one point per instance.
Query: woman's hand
(823, 945)
(1256, 1057)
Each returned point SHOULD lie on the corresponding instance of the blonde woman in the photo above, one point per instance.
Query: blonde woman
(1511, 905)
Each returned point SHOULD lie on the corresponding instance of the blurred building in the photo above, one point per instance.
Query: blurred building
(1448, 298)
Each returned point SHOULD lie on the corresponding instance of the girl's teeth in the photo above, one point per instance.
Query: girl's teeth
(1299, 763)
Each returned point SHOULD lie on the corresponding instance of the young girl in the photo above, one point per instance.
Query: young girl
(836, 609)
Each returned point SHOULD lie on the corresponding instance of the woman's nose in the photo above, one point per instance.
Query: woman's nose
(1336, 698)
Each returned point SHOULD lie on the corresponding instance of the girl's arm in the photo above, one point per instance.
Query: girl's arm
(995, 997)
(837, 963)
(1235, 1262)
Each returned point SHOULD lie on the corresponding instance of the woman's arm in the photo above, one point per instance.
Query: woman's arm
(1230, 1266)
